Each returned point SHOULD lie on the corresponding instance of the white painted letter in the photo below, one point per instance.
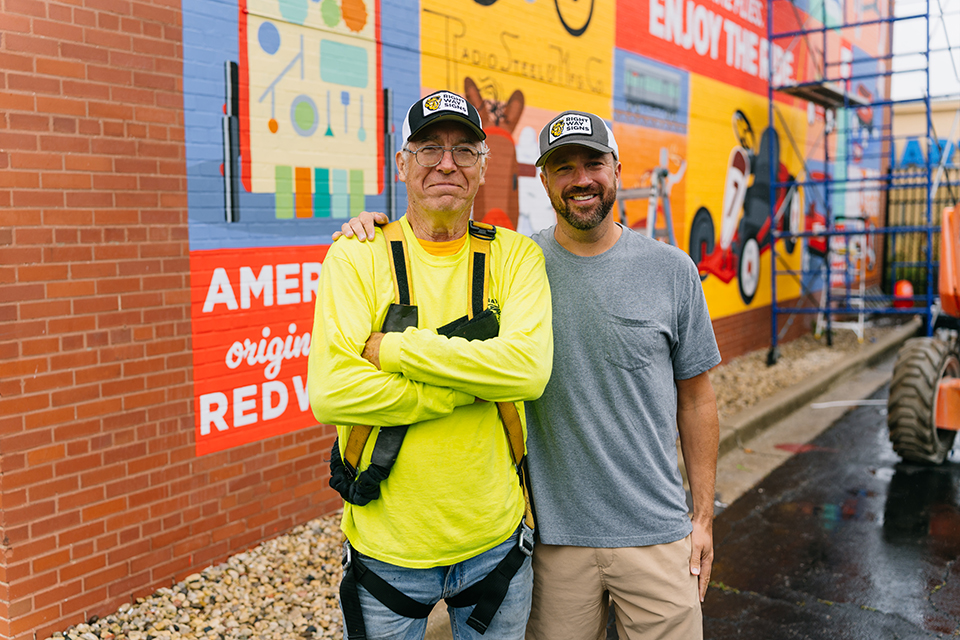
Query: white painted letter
(701, 29)
(311, 276)
(303, 397)
(213, 406)
(244, 399)
(271, 411)
(263, 283)
(285, 284)
(716, 23)
(219, 291)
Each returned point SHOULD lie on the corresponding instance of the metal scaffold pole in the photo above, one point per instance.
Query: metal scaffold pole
(869, 222)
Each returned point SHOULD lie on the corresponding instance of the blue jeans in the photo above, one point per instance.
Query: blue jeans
(432, 585)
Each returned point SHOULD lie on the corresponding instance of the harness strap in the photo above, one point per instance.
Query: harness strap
(481, 235)
(514, 428)
(399, 262)
(488, 594)
(355, 572)
(357, 440)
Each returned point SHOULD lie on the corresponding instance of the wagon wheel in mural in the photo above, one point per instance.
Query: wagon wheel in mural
(790, 222)
(702, 237)
(748, 271)
(570, 23)
(743, 131)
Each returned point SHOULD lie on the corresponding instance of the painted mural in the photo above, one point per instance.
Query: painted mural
(292, 112)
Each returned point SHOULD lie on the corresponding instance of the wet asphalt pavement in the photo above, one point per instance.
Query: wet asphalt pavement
(842, 541)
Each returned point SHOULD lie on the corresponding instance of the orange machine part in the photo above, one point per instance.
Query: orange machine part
(948, 404)
(950, 262)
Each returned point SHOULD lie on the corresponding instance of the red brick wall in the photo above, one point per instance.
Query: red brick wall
(750, 330)
(102, 496)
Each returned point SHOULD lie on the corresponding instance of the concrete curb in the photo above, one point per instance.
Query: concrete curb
(756, 419)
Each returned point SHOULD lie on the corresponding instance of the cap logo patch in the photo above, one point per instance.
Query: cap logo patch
(444, 101)
(570, 124)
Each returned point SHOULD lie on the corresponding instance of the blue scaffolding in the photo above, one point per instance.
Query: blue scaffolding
(851, 168)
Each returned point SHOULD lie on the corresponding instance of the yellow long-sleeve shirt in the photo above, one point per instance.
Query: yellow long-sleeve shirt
(453, 492)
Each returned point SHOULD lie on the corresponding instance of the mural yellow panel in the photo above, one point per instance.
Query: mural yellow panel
(730, 144)
(563, 62)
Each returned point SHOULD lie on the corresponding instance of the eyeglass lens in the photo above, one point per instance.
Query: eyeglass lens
(432, 155)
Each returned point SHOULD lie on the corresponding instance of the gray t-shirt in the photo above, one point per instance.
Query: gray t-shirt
(602, 438)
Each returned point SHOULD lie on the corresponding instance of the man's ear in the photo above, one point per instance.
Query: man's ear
(401, 166)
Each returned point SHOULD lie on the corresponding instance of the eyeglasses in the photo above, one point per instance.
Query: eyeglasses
(431, 155)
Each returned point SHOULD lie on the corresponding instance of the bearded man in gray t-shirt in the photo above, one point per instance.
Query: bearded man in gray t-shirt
(633, 343)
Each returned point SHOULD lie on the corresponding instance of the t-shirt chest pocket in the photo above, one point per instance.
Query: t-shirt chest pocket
(631, 343)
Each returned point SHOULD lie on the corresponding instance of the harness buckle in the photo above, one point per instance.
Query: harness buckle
(349, 471)
(483, 231)
(346, 558)
(525, 542)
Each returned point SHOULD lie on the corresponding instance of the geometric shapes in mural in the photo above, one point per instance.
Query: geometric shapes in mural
(294, 11)
(353, 13)
(284, 201)
(329, 128)
(330, 13)
(345, 101)
(304, 192)
(339, 193)
(343, 64)
(361, 132)
(304, 115)
(322, 206)
(320, 192)
(306, 59)
(269, 37)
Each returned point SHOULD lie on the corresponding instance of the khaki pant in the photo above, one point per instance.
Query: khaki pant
(653, 593)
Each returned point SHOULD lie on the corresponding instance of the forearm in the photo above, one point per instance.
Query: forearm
(507, 368)
(343, 387)
(699, 430)
(515, 365)
(343, 391)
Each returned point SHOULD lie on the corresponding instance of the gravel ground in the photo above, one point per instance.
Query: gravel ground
(744, 381)
(284, 588)
(287, 587)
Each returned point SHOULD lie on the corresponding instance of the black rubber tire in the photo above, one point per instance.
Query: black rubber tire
(702, 238)
(921, 364)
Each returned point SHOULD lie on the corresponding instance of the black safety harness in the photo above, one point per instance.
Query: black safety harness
(359, 489)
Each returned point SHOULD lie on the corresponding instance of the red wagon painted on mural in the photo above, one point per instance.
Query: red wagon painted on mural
(745, 219)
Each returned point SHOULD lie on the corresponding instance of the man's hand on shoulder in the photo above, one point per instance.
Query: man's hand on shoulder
(362, 227)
